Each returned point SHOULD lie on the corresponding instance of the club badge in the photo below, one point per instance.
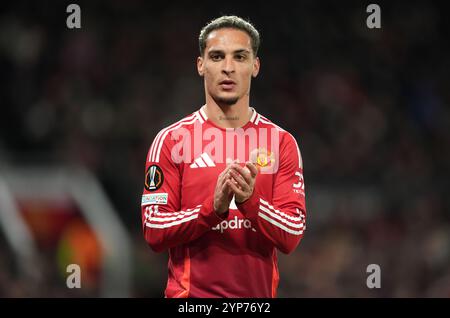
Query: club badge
(262, 158)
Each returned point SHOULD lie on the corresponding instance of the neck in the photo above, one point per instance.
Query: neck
(228, 116)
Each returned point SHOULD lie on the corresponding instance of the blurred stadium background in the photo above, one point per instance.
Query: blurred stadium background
(79, 109)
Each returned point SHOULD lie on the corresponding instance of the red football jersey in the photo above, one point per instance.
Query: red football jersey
(234, 255)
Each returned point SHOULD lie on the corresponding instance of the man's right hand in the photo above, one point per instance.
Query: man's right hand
(223, 193)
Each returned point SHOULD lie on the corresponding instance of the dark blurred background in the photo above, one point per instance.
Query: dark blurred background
(368, 107)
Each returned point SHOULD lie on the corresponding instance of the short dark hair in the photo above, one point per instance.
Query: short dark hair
(233, 22)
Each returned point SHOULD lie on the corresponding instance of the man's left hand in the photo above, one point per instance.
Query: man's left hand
(243, 181)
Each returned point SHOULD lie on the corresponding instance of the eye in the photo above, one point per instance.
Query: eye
(240, 57)
(216, 57)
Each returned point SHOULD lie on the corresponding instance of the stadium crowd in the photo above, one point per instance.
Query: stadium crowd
(369, 108)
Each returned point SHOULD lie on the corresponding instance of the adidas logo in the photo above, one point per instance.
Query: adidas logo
(203, 161)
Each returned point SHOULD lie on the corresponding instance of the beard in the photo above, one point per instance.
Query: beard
(226, 101)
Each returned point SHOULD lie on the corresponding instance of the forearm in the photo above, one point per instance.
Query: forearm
(164, 229)
(282, 225)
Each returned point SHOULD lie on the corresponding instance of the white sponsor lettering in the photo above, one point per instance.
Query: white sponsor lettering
(234, 224)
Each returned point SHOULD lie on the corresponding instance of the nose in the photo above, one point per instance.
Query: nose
(228, 65)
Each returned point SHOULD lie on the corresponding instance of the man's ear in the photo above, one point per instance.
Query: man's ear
(200, 66)
(256, 66)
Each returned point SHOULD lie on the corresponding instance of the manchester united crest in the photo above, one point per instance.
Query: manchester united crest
(264, 160)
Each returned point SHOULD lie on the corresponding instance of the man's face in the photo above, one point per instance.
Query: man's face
(228, 65)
